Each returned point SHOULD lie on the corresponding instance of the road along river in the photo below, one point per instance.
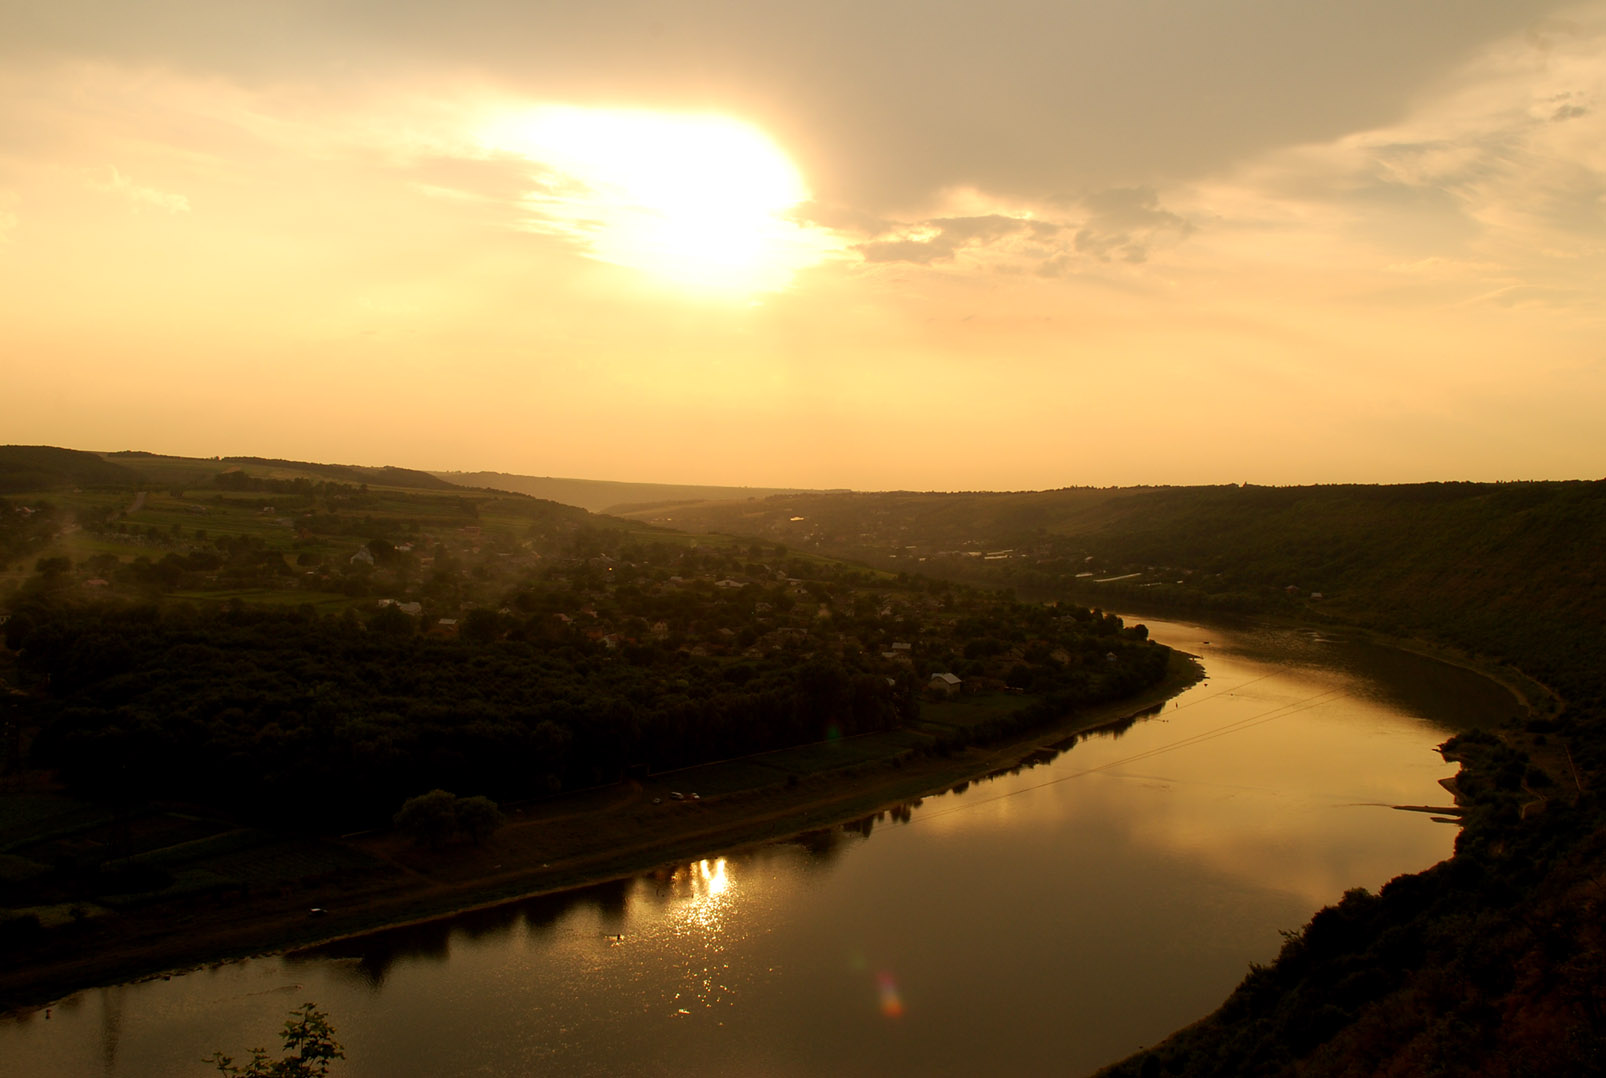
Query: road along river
(1043, 921)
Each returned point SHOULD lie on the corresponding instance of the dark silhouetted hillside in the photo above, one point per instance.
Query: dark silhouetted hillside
(27, 468)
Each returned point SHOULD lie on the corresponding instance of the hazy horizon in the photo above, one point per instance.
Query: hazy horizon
(819, 489)
(933, 246)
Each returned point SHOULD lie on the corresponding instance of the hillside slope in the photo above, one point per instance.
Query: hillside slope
(44, 467)
(608, 496)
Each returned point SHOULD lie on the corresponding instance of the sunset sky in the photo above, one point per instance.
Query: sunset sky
(931, 244)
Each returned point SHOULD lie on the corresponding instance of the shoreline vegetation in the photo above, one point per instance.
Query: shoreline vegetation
(562, 844)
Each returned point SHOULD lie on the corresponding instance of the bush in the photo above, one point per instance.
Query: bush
(308, 1037)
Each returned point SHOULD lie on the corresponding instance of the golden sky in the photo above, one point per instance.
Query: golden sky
(931, 244)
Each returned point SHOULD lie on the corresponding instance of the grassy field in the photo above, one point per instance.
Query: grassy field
(968, 711)
(770, 768)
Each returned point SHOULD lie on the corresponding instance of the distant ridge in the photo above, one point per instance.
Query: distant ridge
(45, 467)
(386, 476)
(602, 495)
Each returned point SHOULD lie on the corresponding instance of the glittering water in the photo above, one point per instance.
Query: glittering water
(1045, 921)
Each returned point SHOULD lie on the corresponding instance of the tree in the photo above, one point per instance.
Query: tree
(480, 626)
(390, 621)
(309, 1041)
(477, 818)
(430, 818)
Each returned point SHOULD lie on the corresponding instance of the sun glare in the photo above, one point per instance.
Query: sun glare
(695, 200)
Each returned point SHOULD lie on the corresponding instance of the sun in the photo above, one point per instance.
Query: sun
(699, 201)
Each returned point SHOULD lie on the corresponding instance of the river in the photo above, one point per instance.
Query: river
(1045, 921)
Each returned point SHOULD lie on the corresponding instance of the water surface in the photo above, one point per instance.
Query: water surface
(1046, 921)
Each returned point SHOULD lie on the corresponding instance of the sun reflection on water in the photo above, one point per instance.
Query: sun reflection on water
(704, 894)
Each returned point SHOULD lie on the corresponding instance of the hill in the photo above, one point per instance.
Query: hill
(606, 496)
(168, 470)
(43, 467)
(1510, 571)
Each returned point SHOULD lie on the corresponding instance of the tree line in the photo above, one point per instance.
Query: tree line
(324, 722)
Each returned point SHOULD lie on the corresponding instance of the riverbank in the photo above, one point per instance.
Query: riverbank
(587, 838)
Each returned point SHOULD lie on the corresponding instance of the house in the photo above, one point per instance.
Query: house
(944, 684)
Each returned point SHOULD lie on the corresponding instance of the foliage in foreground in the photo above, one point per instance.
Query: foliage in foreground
(309, 1045)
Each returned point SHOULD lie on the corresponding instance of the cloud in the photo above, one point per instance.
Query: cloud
(886, 104)
(1493, 189)
(1126, 223)
(919, 251)
(940, 239)
(8, 223)
(842, 219)
(1119, 225)
(114, 182)
(498, 177)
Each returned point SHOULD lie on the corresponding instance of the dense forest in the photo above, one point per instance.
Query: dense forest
(327, 722)
(285, 716)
